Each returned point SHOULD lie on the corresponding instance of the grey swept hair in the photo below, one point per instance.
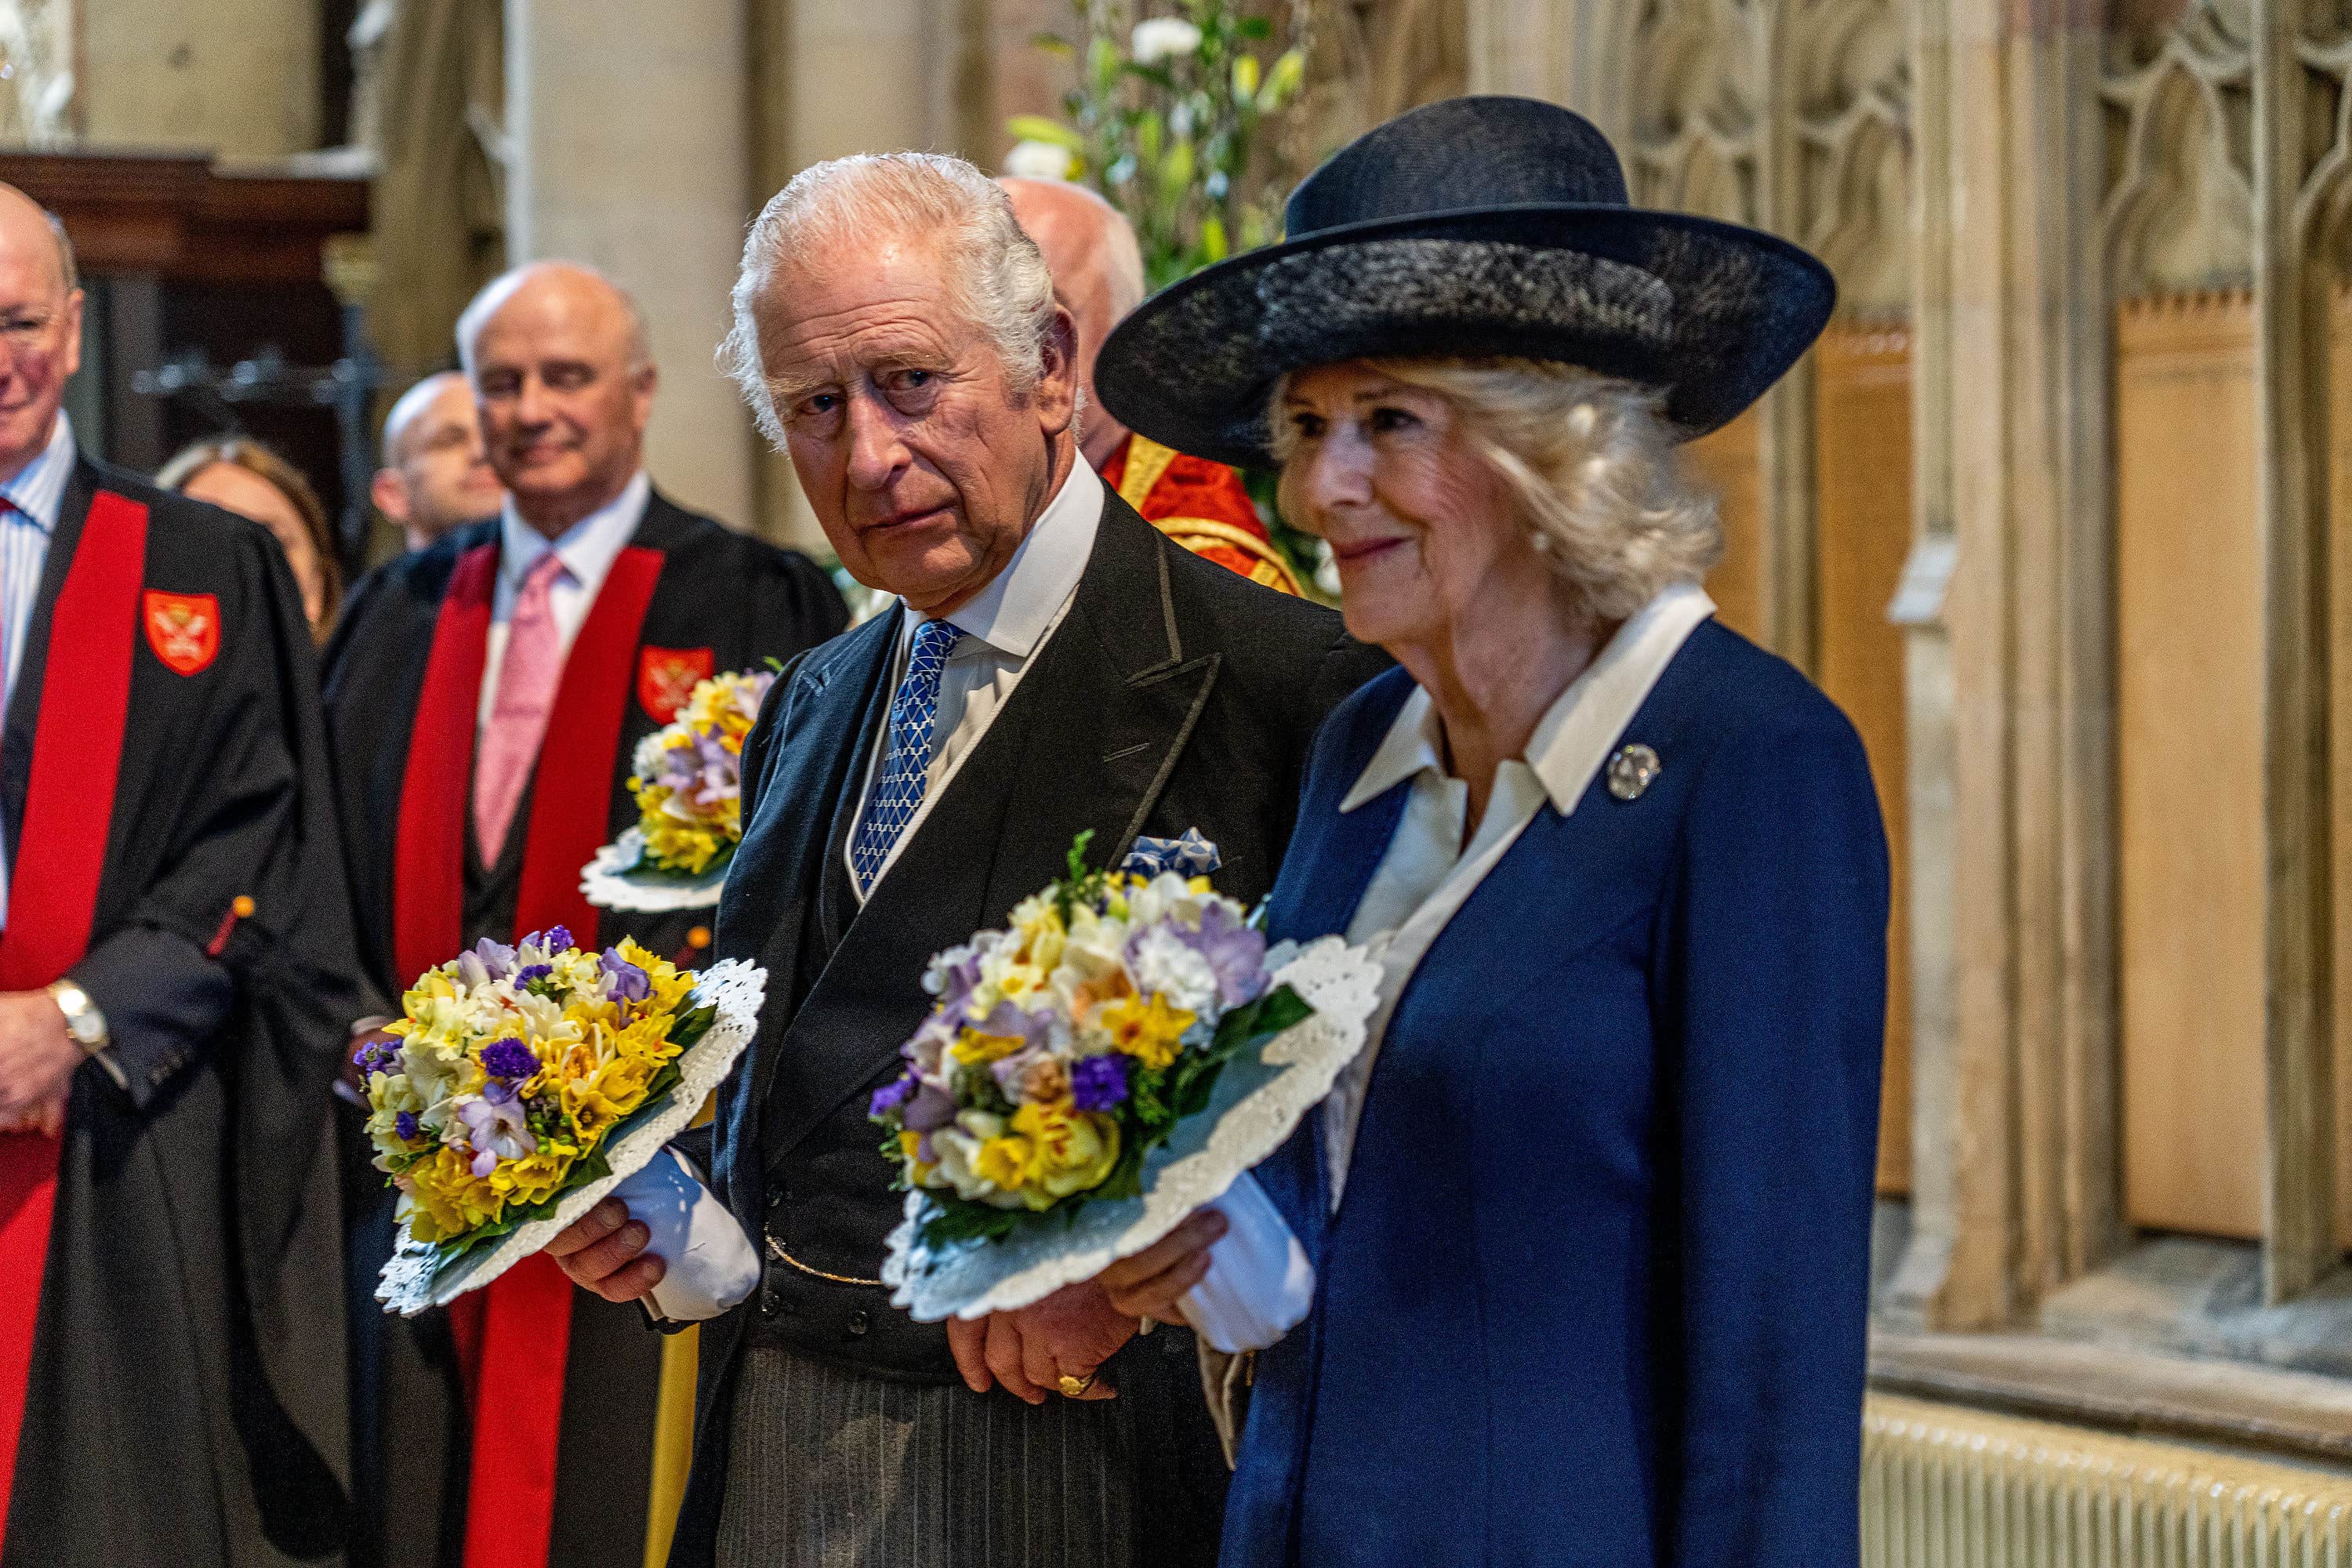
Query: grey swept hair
(996, 272)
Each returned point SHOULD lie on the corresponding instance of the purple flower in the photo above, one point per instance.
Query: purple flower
(1236, 954)
(1011, 1023)
(495, 1130)
(375, 1057)
(1098, 1083)
(405, 1126)
(525, 978)
(624, 980)
(954, 979)
(893, 1095)
(554, 939)
(509, 1060)
(931, 1109)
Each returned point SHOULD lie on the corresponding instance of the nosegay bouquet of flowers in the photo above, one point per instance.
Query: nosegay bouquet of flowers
(687, 782)
(1072, 1093)
(513, 1079)
(1062, 1049)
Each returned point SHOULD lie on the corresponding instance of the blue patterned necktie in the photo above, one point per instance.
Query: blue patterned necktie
(907, 767)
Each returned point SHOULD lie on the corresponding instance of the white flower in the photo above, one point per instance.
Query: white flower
(1159, 37)
(1165, 964)
(1039, 161)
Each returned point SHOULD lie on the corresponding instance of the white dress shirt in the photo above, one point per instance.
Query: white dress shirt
(710, 1263)
(588, 549)
(1004, 625)
(1429, 872)
(34, 498)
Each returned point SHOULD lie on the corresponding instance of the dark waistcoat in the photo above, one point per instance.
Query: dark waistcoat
(1172, 695)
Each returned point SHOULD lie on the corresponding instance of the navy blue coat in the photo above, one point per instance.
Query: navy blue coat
(1597, 1292)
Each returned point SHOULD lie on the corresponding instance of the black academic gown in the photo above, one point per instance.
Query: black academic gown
(1173, 695)
(723, 600)
(185, 1403)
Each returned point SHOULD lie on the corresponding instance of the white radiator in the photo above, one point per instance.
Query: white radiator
(1947, 1487)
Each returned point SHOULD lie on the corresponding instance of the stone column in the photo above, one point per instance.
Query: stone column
(630, 142)
(239, 78)
(836, 77)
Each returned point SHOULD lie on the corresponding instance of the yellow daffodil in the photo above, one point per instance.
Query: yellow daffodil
(1148, 1030)
(973, 1047)
(1070, 1150)
(1005, 1160)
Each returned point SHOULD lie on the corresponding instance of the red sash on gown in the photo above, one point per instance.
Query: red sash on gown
(513, 1337)
(53, 887)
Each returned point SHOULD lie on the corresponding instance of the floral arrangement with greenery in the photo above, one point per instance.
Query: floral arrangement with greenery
(1177, 119)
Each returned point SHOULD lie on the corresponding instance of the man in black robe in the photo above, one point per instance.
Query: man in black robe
(485, 697)
(176, 966)
(1055, 665)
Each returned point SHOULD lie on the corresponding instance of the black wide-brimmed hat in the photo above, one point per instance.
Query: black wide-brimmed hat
(1472, 228)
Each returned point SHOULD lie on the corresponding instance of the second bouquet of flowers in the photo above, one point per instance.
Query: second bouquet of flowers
(686, 779)
(521, 1083)
(1092, 1073)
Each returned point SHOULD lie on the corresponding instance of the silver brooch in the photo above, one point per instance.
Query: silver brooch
(1632, 770)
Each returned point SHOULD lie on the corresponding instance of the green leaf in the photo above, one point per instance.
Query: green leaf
(1038, 127)
(1254, 1023)
(1245, 77)
(1212, 239)
(1254, 28)
(1053, 44)
(1176, 169)
(1159, 76)
(953, 1219)
(692, 1022)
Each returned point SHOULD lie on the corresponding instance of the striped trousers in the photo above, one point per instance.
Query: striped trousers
(832, 1469)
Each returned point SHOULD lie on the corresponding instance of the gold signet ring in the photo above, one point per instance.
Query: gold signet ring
(1072, 1387)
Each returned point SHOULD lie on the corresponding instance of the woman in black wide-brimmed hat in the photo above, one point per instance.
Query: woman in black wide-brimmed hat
(1590, 1216)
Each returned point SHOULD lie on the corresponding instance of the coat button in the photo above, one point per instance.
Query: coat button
(768, 1303)
(1631, 770)
(857, 1321)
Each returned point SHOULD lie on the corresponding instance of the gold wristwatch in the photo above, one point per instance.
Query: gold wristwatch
(85, 1027)
(85, 1024)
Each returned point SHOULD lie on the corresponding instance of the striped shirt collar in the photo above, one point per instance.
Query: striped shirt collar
(38, 490)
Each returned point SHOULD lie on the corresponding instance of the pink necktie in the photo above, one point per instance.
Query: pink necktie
(527, 679)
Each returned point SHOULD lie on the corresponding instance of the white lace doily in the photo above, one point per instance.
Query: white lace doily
(611, 881)
(412, 1282)
(1259, 1100)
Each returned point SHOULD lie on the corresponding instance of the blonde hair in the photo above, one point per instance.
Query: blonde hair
(1593, 468)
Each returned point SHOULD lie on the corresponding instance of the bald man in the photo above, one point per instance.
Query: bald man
(436, 476)
(485, 698)
(1097, 269)
(175, 949)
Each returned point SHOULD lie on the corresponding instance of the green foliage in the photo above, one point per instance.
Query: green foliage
(1177, 119)
(1194, 146)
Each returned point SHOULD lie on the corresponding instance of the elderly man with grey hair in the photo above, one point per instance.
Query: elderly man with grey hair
(485, 698)
(1054, 665)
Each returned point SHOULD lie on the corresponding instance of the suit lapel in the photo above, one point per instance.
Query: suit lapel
(1087, 741)
(819, 759)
